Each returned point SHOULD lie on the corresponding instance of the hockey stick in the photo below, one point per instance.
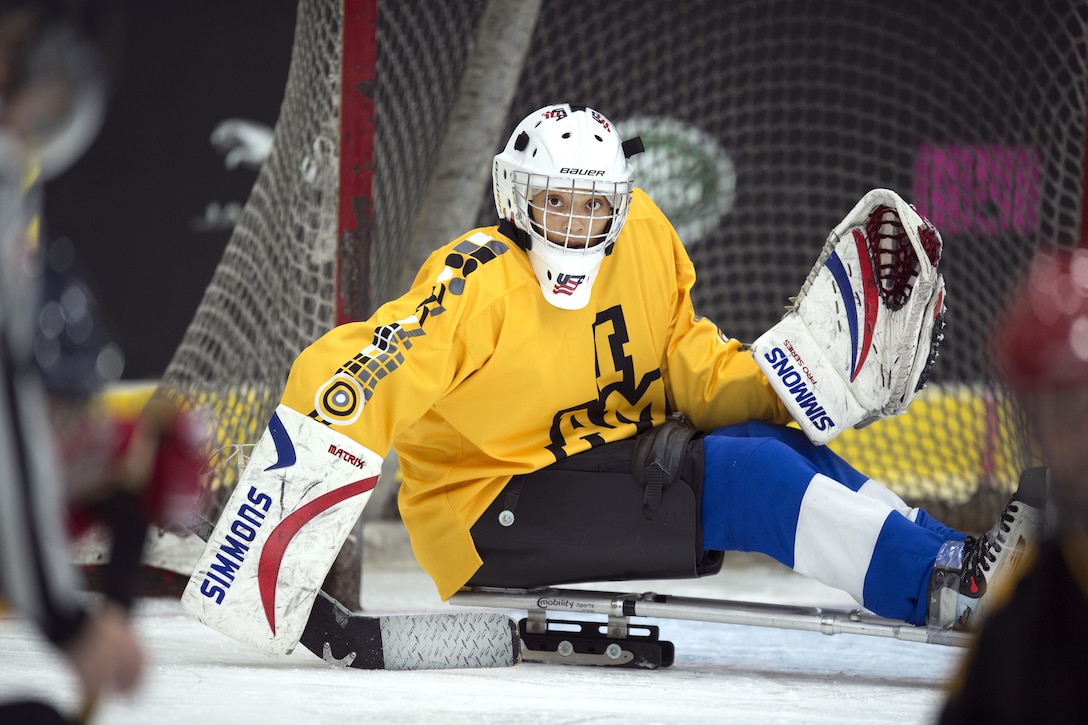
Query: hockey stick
(543, 644)
(459, 640)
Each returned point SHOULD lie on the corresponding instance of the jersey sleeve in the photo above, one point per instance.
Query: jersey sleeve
(370, 380)
(713, 379)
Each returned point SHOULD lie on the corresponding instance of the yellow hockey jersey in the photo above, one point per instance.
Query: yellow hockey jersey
(474, 377)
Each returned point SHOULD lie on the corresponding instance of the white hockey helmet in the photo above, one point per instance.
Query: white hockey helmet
(569, 150)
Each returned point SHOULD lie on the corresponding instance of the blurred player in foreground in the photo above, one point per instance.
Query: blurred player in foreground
(1042, 617)
(52, 358)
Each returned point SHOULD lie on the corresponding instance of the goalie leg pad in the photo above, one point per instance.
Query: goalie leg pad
(301, 492)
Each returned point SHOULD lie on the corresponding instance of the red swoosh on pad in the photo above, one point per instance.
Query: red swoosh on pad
(870, 298)
(268, 567)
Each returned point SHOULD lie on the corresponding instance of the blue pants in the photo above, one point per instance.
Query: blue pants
(768, 489)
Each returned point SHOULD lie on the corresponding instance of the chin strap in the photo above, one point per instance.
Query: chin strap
(521, 238)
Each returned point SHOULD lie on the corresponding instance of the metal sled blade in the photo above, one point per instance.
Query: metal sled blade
(410, 641)
(619, 606)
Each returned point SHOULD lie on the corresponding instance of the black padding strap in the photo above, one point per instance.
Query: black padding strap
(632, 146)
(660, 458)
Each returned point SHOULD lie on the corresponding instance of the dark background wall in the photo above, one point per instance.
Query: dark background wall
(149, 205)
(812, 116)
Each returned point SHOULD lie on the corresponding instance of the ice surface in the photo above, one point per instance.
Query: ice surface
(722, 674)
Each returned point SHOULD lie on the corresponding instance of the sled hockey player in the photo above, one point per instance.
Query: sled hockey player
(1041, 615)
(537, 383)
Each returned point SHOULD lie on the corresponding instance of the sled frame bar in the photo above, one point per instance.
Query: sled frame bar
(619, 606)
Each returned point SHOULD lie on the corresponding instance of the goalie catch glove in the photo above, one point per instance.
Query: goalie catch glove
(861, 336)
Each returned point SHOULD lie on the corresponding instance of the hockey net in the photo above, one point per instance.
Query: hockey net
(764, 123)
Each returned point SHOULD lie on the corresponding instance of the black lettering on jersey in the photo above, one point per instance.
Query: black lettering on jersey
(622, 395)
(467, 256)
(342, 397)
(432, 306)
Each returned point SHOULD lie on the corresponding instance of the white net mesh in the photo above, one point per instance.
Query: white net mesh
(274, 289)
(765, 121)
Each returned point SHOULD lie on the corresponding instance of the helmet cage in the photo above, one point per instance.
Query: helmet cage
(583, 235)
